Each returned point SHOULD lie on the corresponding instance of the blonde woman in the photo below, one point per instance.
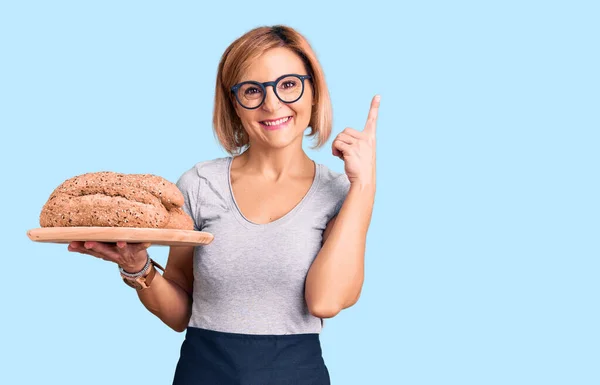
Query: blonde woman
(289, 232)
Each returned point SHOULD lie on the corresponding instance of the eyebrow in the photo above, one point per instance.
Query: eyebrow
(247, 79)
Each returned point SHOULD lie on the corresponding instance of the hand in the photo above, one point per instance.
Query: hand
(357, 148)
(131, 257)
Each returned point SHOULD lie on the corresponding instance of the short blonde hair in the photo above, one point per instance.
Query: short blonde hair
(235, 61)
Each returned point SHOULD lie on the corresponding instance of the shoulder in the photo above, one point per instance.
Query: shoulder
(192, 184)
(207, 169)
(333, 187)
(333, 182)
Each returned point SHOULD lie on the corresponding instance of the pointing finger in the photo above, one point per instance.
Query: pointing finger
(371, 125)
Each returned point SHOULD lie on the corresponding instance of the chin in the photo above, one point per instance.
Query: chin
(282, 137)
(279, 143)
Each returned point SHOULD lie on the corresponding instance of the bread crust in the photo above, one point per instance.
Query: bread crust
(110, 199)
(100, 210)
(178, 219)
(135, 187)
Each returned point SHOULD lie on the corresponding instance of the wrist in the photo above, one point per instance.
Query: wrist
(142, 279)
(136, 268)
(367, 185)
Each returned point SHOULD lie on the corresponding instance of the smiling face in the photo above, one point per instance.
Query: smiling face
(276, 124)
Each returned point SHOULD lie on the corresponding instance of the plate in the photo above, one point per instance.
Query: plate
(164, 237)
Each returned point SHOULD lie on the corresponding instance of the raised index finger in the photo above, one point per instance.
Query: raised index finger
(371, 125)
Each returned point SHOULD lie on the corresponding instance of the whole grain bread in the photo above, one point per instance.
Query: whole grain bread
(110, 199)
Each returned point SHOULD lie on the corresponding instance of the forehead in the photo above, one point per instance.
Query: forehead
(274, 63)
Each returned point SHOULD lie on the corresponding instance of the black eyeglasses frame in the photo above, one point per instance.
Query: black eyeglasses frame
(264, 86)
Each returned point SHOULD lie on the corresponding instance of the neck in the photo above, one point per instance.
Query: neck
(273, 164)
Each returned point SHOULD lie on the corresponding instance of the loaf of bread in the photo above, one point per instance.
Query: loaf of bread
(110, 199)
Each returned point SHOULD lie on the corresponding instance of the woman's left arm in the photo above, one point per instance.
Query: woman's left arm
(335, 279)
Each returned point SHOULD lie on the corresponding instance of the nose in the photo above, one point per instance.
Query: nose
(272, 102)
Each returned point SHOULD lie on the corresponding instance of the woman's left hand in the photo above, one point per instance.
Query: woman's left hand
(357, 148)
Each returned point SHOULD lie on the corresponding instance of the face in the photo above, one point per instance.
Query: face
(276, 124)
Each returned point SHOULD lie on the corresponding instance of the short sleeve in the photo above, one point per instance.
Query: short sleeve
(189, 185)
(340, 188)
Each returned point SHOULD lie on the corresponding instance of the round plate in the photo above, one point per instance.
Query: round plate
(165, 237)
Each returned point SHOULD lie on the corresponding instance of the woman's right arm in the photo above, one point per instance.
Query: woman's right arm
(169, 296)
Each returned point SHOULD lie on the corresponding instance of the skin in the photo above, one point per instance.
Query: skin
(273, 175)
(335, 279)
(268, 180)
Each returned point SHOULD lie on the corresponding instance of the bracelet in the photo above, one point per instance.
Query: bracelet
(139, 273)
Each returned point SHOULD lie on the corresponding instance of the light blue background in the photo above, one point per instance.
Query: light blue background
(482, 264)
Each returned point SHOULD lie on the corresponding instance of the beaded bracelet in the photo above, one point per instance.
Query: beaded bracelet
(138, 274)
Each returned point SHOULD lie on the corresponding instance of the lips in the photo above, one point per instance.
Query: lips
(274, 124)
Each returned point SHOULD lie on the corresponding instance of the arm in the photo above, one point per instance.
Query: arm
(169, 297)
(335, 279)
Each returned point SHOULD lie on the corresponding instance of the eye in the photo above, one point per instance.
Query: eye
(252, 90)
(287, 84)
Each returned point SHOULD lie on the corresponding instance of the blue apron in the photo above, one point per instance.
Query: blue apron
(216, 358)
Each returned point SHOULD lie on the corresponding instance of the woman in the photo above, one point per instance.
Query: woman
(289, 233)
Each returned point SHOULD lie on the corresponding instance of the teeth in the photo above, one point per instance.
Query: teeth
(276, 122)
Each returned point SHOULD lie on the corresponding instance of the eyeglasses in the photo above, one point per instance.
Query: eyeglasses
(288, 88)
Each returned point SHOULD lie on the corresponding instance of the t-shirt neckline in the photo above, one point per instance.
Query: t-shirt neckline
(279, 221)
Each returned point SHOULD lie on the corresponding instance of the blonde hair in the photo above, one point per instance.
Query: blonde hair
(235, 61)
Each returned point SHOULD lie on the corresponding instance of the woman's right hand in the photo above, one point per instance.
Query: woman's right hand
(131, 257)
